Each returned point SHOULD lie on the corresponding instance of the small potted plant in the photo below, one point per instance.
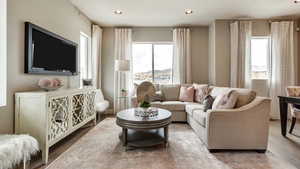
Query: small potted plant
(145, 105)
(123, 92)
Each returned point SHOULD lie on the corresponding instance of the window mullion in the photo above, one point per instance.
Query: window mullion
(153, 63)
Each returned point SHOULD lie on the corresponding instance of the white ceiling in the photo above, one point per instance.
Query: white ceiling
(171, 12)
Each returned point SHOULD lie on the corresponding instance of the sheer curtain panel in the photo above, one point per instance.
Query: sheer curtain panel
(283, 62)
(96, 55)
(240, 33)
(123, 80)
(182, 62)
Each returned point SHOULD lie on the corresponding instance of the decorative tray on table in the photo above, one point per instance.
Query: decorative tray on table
(146, 112)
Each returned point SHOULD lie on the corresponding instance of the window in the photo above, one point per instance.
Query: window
(152, 62)
(3, 52)
(85, 58)
(260, 57)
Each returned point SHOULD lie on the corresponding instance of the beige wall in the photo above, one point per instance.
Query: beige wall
(199, 36)
(152, 34)
(222, 53)
(200, 49)
(260, 28)
(58, 16)
(108, 64)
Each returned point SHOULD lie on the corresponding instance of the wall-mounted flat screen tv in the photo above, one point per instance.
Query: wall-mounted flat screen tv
(48, 53)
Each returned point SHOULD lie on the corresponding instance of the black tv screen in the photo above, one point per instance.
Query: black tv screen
(48, 53)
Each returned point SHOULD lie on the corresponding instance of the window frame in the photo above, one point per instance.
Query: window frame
(152, 58)
(268, 59)
(89, 58)
(3, 53)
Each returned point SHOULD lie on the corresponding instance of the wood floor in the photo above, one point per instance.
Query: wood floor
(287, 149)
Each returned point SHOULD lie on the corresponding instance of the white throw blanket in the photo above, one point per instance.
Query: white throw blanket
(14, 148)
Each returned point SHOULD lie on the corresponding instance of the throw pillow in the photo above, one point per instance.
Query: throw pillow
(186, 94)
(208, 102)
(226, 101)
(293, 91)
(201, 91)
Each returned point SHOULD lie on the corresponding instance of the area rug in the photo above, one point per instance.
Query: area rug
(101, 148)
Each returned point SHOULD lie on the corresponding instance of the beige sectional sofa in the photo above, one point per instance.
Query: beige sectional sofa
(243, 128)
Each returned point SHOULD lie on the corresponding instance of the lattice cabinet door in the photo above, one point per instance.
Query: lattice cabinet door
(90, 104)
(59, 117)
(78, 113)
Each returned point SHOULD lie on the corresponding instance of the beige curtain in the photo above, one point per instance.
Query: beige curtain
(240, 33)
(283, 62)
(123, 80)
(182, 61)
(96, 55)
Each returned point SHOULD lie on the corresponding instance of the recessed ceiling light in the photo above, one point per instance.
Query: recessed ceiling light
(297, 1)
(118, 12)
(188, 11)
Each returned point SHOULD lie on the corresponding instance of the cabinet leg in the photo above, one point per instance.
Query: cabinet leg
(95, 121)
(45, 154)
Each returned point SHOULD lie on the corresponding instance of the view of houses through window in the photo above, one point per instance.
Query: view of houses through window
(152, 62)
(260, 57)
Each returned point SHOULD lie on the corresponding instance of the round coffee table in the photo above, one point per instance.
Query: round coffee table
(144, 132)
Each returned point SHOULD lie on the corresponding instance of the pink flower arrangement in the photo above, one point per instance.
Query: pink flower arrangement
(50, 84)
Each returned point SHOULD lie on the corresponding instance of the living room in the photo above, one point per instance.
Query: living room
(149, 84)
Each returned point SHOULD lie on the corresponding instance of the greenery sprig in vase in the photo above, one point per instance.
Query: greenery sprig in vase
(145, 105)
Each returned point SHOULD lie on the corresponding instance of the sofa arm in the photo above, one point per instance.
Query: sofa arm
(246, 127)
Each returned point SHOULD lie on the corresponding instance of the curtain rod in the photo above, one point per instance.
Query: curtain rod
(269, 20)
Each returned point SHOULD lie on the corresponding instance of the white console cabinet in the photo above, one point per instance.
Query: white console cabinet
(51, 116)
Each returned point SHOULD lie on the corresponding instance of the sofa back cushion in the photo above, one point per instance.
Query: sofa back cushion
(156, 86)
(170, 92)
(245, 95)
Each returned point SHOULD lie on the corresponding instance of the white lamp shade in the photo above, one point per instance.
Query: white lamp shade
(122, 65)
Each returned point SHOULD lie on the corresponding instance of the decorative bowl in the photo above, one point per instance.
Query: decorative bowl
(50, 84)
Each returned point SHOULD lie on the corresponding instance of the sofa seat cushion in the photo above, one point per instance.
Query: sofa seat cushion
(200, 117)
(170, 105)
(190, 107)
(245, 97)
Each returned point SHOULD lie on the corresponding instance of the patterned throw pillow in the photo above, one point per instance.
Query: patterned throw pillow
(208, 102)
(293, 91)
(186, 94)
(201, 91)
(226, 101)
